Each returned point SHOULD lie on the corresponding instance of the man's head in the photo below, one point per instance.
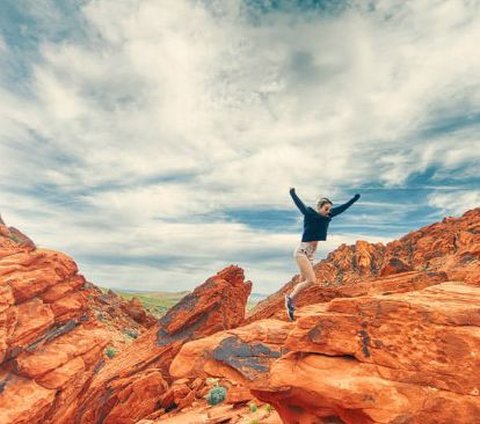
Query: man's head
(323, 206)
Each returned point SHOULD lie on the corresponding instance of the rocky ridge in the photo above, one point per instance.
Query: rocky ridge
(391, 334)
(394, 339)
(54, 330)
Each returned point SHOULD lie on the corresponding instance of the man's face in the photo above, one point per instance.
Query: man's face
(325, 209)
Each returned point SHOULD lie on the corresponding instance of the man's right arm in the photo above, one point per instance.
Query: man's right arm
(297, 201)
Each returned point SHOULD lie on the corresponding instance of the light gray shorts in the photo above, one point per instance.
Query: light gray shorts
(307, 249)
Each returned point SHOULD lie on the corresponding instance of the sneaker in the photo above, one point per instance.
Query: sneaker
(289, 307)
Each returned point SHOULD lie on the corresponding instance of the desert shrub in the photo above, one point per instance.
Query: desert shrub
(131, 332)
(253, 407)
(110, 352)
(216, 395)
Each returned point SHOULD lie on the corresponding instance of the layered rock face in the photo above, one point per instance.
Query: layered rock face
(409, 357)
(135, 383)
(391, 334)
(54, 327)
(401, 346)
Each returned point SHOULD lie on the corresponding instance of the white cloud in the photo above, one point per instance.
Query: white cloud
(3, 46)
(162, 112)
(154, 95)
(455, 203)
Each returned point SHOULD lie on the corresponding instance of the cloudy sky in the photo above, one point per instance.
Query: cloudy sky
(155, 141)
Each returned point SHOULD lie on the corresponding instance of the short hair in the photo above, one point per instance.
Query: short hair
(323, 201)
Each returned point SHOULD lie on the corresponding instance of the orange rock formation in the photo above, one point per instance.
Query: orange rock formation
(131, 386)
(54, 328)
(391, 334)
(395, 340)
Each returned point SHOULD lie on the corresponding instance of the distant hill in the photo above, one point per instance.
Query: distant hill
(155, 302)
(158, 302)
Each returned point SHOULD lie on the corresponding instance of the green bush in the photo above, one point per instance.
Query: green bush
(110, 352)
(253, 407)
(269, 407)
(216, 395)
(130, 332)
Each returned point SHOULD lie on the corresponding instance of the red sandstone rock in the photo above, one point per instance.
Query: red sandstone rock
(22, 400)
(232, 414)
(197, 384)
(12, 239)
(239, 394)
(180, 395)
(378, 358)
(216, 305)
(60, 290)
(32, 318)
(136, 395)
(381, 339)
(61, 376)
(51, 340)
(30, 274)
(135, 309)
(60, 351)
(258, 345)
(21, 239)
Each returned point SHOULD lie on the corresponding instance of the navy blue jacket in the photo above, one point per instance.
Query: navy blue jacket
(315, 226)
